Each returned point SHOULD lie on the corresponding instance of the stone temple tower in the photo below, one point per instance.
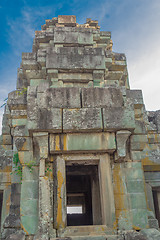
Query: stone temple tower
(79, 154)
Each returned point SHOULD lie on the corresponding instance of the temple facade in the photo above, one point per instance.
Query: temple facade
(79, 153)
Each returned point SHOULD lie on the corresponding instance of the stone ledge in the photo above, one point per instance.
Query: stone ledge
(82, 142)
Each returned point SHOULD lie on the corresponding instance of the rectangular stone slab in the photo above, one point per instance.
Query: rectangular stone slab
(118, 118)
(16, 100)
(75, 58)
(73, 35)
(66, 19)
(101, 97)
(82, 142)
(63, 97)
(83, 119)
(47, 119)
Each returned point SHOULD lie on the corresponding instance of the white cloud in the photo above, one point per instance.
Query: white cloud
(21, 30)
(20, 37)
(134, 27)
(139, 40)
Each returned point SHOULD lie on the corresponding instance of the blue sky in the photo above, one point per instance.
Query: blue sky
(134, 26)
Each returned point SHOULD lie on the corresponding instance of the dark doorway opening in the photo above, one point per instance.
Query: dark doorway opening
(156, 200)
(82, 204)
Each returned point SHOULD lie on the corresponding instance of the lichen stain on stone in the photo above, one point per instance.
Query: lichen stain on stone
(57, 143)
(21, 157)
(60, 222)
(152, 166)
(64, 142)
(52, 158)
(27, 233)
(6, 169)
(8, 203)
(136, 228)
(118, 189)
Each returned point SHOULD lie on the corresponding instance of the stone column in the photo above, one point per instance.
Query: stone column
(29, 192)
(45, 228)
(60, 214)
(106, 191)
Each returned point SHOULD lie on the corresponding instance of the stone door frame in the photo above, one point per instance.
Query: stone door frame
(105, 183)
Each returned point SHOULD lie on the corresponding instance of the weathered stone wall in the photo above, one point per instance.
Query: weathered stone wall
(73, 105)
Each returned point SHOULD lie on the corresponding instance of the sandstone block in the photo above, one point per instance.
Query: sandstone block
(19, 122)
(29, 61)
(137, 200)
(50, 119)
(25, 157)
(63, 97)
(69, 20)
(40, 142)
(137, 155)
(75, 58)
(152, 176)
(75, 77)
(135, 96)
(122, 201)
(28, 56)
(124, 220)
(15, 235)
(52, 73)
(59, 196)
(72, 36)
(157, 117)
(30, 64)
(6, 130)
(7, 147)
(133, 174)
(20, 131)
(153, 223)
(29, 223)
(84, 119)
(140, 127)
(101, 97)
(42, 87)
(140, 218)
(37, 82)
(138, 142)
(30, 174)
(118, 118)
(135, 186)
(19, 114)
(7, 139)
(133, 235)
(35, 74)
(153, 138)
(29, 190)
(17, 100)
(151, 234)
(82, 142)
(5, 177)
(12, 221)
(29, 207)
(46, 119)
